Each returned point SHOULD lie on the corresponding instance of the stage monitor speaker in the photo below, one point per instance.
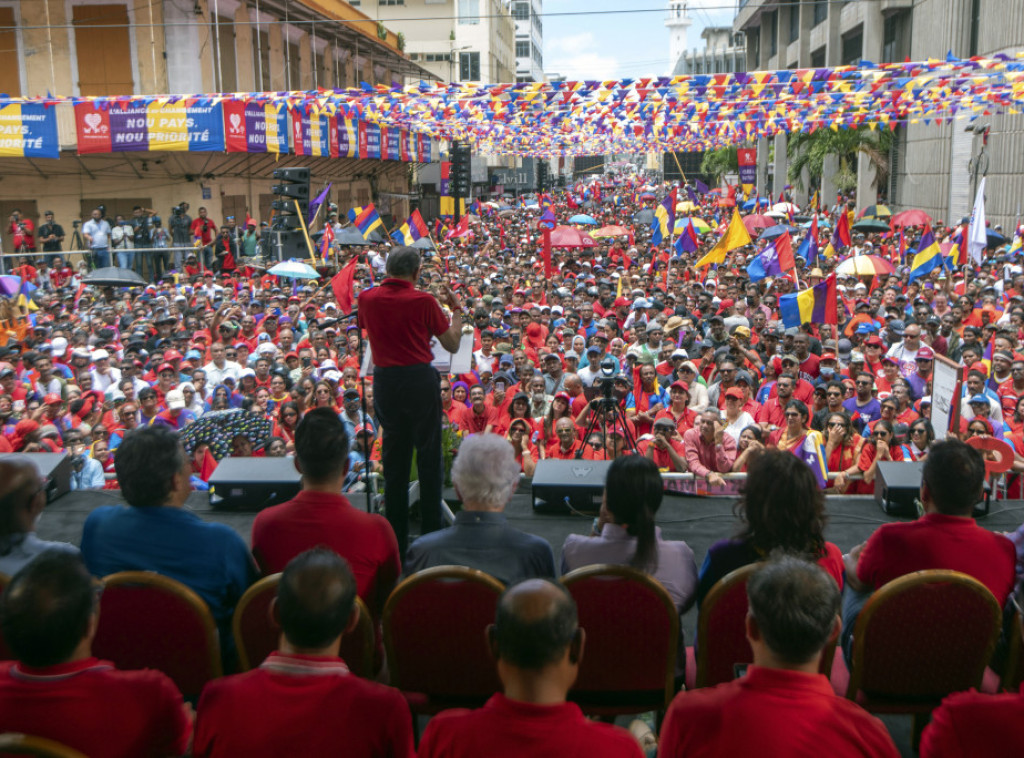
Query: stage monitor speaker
(55, 469)
(252, 484)
(560, 486)
(897, 487)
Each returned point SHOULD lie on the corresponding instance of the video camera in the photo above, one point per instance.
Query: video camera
(606, 382)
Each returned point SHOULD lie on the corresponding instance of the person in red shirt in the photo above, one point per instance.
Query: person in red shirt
(55, 689)
(538, 645)
(946, 537)
(279, 708)
(666, 449)
(479, 417)
(970, 723)
(203, 228)
(21, 231)
(566, 443)
(318, 515)
(782, 706)
(401, 322)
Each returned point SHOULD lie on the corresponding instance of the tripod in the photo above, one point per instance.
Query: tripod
(609, 413)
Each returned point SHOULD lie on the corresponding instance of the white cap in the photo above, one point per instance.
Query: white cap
(99, 355)
(60, 345)
(175, 400)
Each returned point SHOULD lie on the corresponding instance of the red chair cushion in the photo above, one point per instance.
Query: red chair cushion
(725, 643)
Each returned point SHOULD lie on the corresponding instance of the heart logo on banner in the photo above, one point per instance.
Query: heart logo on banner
(93, 122)
(236, 122)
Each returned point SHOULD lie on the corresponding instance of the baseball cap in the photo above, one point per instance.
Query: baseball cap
(350, 395)
(980, 399)
(680, 384)
(52, 398)
(364, 429)
(828, 356)
(925, 354)
(727, 303)
(734, 392)
(175, 400)
(168, 367)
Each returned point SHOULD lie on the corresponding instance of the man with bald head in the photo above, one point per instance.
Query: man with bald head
(22, 499)
(538, 644)
(279, 708)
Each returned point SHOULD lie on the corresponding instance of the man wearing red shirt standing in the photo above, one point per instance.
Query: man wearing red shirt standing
(302, 700)
(946, 537)
(401, 322)
(538, 644)
(782, 706)
(319, 516)
(57, 690)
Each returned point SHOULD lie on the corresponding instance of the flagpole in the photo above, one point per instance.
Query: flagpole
(305, 234)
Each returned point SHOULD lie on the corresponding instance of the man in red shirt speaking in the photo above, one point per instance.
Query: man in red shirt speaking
(400, 322)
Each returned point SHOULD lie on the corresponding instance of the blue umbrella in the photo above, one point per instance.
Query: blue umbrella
(822, 223)
(583, 218)
(749, 205)
(777, 231)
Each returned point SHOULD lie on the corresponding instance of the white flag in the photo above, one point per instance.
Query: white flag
(977, 233)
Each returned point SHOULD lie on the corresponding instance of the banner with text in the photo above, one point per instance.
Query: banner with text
(29, 130)
(123, 126)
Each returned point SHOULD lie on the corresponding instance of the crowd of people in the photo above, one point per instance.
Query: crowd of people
(619, 350)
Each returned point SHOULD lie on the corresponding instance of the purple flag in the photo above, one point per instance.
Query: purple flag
(702, 188)
(316, 202)
(692, 194)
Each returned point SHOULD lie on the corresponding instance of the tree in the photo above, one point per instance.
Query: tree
(807, 151)
(718, 163)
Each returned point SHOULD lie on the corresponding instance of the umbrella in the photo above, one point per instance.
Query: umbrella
(112, 276)
(350, 237)
(644, 216)
(699, 225)
(995, 239)
(506, 212)
(777, 231)
(822, 223)
(583, 218)
(752, 202)
(566, 236)
(610, 231)
(785, 208)
(294, 270)
(423, 243)
(865, 265)
(686, 206)
(218, 428)
(875, 211)
(726, 202)
(869, 225)
(647, 196)
(757, 221)
(911, 218)
(10, 285)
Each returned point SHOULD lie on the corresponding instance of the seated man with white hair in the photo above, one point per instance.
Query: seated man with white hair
(485, 474)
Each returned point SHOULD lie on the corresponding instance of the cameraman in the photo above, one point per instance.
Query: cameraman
(204, 230)
(141, 223)
(181, 233)
(21, 231)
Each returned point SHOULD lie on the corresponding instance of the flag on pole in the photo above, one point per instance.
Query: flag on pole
(815, 305)
(687, 241)
(840, 237)
(808, 249)
(461, 229)
(365, 219)
(774, 260)
(341, 285)
(664, 219)
(315, 203)
(928, 256)
(326, 240)
(977, 234)
(735, 236)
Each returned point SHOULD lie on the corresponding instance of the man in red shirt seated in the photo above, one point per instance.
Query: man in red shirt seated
(567, 441)
(320, 516)
(479, 417)
(946, 537)
(303, 700)
(970, 723)
(538, 644)
(666, 449)
(782, 706)
(57, 690)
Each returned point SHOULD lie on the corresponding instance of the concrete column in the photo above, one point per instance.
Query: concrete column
(802, 196)
(762, 166)
(874, 32)
(781, 165)
(245, 64)
(867, 193)
(277, 56)
(829, 169)
(305, 77)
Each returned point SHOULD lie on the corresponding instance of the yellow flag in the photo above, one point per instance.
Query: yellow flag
(829, 251)
(618, 290)
(735, 236)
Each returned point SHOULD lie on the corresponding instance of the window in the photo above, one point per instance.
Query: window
(391, 2)
(224, 55)
(818, 58)
(469, 12)
(894, 36)
(469, 67)
(820, 11)
(773, 33)
(521, 11)
(104, 53)
(10, 71)
(437, 57)
(522, 49)
(261, 57)
(853, 46)
(794, 21)
(975, 23)
(755, 48)
(293, 67)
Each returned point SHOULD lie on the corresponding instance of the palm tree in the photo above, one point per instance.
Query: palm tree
(807, 151)
(718, 163)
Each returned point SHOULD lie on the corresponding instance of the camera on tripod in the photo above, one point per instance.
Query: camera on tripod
(606, 381)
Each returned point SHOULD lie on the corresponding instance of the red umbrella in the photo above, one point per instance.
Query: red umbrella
(566, 236)
(757, 221)
(726, 202)
(911, 218)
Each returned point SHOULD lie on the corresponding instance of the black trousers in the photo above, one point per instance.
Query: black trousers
(407, 400)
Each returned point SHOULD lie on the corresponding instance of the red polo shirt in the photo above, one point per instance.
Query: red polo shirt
(938, 541)
(506, 727)
(771, 712)
(301, 705)
(312, 519)
(969, 723)
(400, 321)
(90, 706)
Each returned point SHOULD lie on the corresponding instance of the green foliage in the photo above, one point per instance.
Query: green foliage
(401, 42)
(382, 32)
(808, 152)
(718, 163)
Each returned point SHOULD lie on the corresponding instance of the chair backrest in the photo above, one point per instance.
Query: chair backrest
(435, 624)
(1013, 674)
(923, 636)
(24, 744)
(151, 621)
(257, 634)
(632, 636)
(5, 652)
(721, 629)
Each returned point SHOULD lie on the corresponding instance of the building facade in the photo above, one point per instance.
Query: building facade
(456, 40)
(529, 40)
(930, 166)
(142, 47)
(724, 52)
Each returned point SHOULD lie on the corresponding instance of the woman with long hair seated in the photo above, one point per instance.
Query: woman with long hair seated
(782, 508)
(882, 446)
(626, 533)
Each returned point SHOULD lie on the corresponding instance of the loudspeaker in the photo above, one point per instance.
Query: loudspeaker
(55, 469)
(897, 486)
(560, 486)
(252, 484)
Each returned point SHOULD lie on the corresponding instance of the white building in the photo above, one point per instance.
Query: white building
(678, 23)
(724, 52)
(458, 40)
(529, 40)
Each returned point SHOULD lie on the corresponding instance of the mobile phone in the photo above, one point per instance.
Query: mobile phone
(307, 361)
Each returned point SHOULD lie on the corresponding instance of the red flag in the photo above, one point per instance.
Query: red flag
(460, 230)
(341, 284)
(784, 249)
(78, 294)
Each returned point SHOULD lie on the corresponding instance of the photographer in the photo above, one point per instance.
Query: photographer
(122, 236)
(141, 223)
(225, 252)
(21, 231)
(203, 230)
(181, 233)
(52, 236)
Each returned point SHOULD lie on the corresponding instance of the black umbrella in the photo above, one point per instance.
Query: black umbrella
(350, 237)
(995, 239)
(644, 216)
(112, 276)
(423, 243)
(218, 428)
(869, 225)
